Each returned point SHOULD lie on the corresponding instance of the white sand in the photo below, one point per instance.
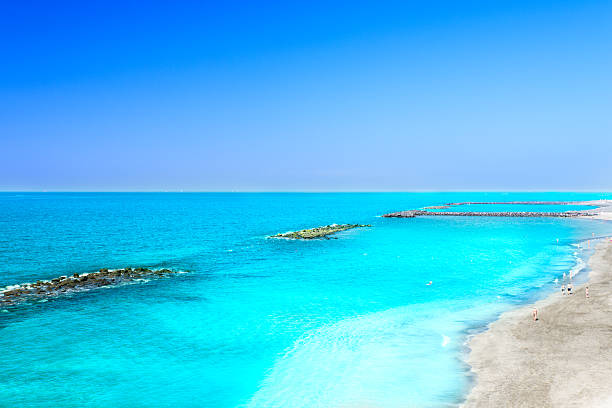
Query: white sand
(562, 360)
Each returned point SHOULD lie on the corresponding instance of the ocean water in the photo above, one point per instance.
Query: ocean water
(257, 322)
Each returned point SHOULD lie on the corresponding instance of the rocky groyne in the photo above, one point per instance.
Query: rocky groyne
(318, 232)
(601, 206)
(76, 282)
(418, 213)
(523, 203)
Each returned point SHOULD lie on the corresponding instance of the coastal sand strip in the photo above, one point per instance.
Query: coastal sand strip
(562, 360)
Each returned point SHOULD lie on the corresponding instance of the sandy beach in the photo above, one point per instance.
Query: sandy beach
(562, 360)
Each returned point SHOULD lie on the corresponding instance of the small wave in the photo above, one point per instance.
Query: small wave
(11, 287)
(445, 340)
(578, 267)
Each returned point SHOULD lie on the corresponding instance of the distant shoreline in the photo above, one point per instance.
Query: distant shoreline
(561, 360)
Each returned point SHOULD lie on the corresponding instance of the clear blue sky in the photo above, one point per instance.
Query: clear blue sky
(421, 95)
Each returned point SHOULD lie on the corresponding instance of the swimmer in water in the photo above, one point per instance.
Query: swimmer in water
(429, 283)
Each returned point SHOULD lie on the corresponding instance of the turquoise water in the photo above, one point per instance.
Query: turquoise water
(257, 322)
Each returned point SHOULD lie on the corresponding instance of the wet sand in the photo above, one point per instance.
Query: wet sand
(562, 360)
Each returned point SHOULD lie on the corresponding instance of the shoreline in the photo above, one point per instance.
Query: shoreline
(561, 360)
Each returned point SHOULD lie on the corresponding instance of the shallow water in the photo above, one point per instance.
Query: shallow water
(346, 322)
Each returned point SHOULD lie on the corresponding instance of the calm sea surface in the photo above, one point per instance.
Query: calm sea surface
(257, 322)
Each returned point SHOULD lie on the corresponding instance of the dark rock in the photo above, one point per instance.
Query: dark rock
(319, 232)
(62, 284)
(72, 284)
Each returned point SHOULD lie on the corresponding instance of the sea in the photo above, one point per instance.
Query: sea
(373, 317)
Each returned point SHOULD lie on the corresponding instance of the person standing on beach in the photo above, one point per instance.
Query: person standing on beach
(535, 314)
(569, 288)
(586, 292)
(563, 289)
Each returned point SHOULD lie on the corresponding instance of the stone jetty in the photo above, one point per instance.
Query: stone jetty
(76, 282)
(418, 213)
(601, 207)
(318, 232)
(592, 203)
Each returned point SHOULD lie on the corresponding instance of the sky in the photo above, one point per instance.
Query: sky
(306, 96)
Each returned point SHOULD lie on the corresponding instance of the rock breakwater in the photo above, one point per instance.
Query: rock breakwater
(417, 213)
(76, 282)
(600, 206)
(319, 232)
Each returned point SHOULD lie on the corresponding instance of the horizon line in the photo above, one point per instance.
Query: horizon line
(307, 191)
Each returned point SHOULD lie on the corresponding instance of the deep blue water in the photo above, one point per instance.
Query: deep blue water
(257, 322)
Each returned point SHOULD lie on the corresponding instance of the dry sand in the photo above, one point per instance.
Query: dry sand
(562, 360)
(604, 210)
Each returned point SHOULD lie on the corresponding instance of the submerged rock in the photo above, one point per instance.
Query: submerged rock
(62, 284)
(319, 232)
